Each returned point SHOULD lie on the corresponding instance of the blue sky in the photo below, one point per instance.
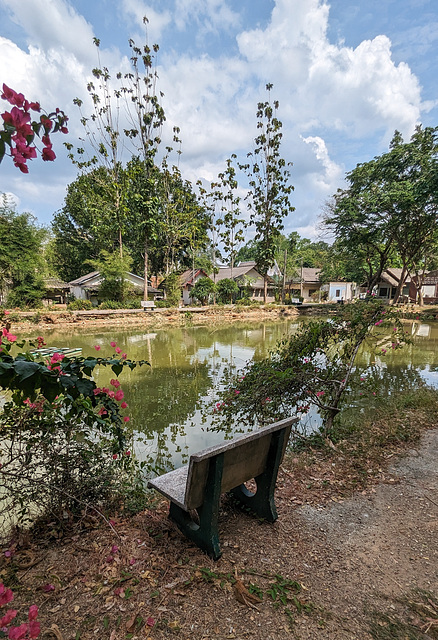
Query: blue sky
(346, 73)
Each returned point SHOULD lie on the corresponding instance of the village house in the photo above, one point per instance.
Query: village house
(87, 287)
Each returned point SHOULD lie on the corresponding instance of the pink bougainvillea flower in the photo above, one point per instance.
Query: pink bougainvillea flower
(113, 344)
(8, 617)
(132, 561)
(119, 395)
(124, 356)
(126, 419)
(319, 394)
(6, 595)
(97, 347)
(48, 155)
(128, 453)
(115, 383)
(114, 549)
(109, 559)
(34, 629)
(111, 394)
(6, 312)
(115, 456)
(118, 350)
(18, 633)
(97, 390)
(124, 405)
(33, 612)
(150, 622)
(47, 588)
(102, 412)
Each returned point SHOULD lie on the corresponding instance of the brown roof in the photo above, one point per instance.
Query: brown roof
(55, 283)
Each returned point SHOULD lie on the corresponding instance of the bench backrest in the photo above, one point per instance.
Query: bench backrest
(244, 459)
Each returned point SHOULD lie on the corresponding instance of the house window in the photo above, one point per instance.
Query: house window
(338, 293)
(383, 292)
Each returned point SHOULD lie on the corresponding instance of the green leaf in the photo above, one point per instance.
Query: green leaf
(25, 369)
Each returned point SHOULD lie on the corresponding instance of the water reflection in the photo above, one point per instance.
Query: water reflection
(168, 400)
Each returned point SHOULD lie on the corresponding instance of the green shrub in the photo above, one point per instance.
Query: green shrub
(164, 304)
(112, 304)
(80, 305)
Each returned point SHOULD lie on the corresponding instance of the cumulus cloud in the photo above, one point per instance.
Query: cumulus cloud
(328, 92)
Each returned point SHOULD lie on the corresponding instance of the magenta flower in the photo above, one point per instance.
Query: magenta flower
(6, 595)
(119, 395)
(97, 347)
(126, 419)
(7, 618)
(319, 394)
(124, 405)
(113, 344)
(118, 350)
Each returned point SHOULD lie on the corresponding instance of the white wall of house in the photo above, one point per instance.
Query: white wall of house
(340, 291)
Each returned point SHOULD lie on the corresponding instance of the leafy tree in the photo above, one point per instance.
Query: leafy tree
(269, 187)
(231, 226)
(21, 261)
(227, 289)
(83, 227)
(202, 290)
(112, 268)
(390, 207)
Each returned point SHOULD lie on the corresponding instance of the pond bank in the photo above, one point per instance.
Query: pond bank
(28, 321)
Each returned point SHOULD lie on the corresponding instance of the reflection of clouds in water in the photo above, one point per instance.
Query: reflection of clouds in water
(429, 376)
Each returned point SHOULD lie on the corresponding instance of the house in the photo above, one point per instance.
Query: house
(187, 281)
(87, 287)
(305, 282)
(341, 291)
(389, 280)
(56, 291)
(248, 280)
(429, 289)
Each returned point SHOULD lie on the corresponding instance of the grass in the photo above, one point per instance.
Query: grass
(416, 620)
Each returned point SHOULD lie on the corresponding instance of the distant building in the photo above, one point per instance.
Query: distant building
(87, 287)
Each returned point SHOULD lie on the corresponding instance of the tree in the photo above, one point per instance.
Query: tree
(231, 226)
(202, 290)
(269, 187)
(84, 226)
(112, 268)
(390, 207)
(21, 262)
(227, 289)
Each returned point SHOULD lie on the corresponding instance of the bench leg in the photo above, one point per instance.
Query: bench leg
(262, 501)
(205, 534)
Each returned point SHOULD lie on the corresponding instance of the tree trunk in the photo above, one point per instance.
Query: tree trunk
(283, 288)
(146, 269)
(400, 285)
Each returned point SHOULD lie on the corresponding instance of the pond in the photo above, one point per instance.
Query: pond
(171, 401)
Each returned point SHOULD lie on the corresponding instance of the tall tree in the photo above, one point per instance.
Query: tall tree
(231, 225)
(269, 186)
(390, 207)
(21, 262)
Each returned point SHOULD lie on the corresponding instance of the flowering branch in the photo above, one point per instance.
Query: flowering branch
(19, 130)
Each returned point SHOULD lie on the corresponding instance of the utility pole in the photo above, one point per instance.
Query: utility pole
(301, 279)
(284, 277)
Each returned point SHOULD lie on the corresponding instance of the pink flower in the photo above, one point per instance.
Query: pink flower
(6, 313)
(34, 629)
(17, 633)
(102, 412)
(150, 622)
(6, 595)
(97, 347)
(124, 405)
(126, 419)
(124, 356)
(128, 453)
(319, 394)
(8, 617)
(33, 612)
(119, 395)
(115, 383)
(97, 390)
(111, 394)
(118, 350)
(114, 549)
(114, 456)
(113, 344)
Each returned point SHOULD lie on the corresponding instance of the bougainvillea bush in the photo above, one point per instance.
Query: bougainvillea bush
(314, 367)
(64, 441)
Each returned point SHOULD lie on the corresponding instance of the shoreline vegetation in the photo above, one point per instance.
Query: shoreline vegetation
(27, 320)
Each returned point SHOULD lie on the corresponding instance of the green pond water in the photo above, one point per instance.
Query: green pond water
(171, 401)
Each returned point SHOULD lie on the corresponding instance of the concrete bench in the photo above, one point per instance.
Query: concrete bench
(225, 468)
(148, 305)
